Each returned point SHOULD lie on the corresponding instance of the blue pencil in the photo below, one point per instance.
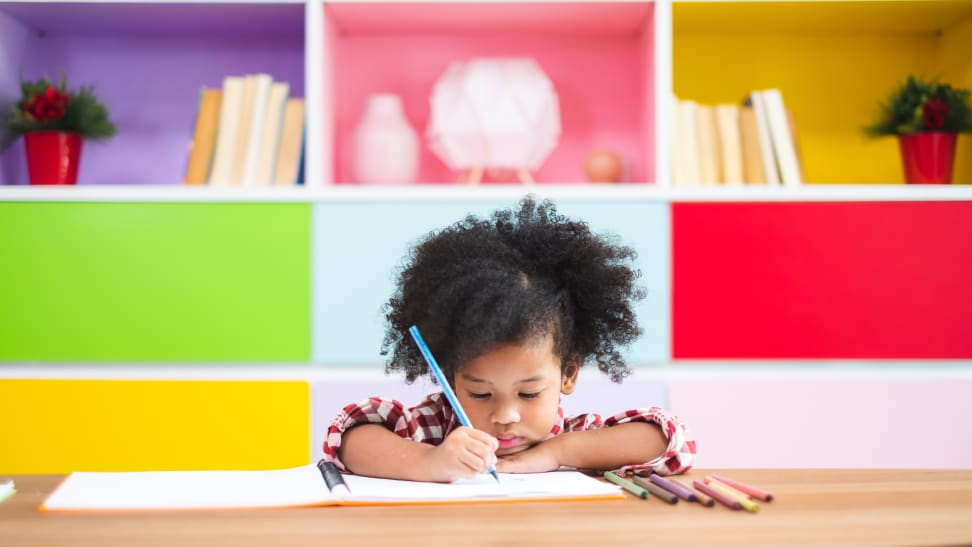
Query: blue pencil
(446, 388)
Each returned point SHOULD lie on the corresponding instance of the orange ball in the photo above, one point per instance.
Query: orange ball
(603, 166)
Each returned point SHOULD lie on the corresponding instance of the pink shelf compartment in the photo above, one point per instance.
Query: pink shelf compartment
(599, 55)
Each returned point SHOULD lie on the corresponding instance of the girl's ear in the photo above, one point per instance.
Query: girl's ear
(569, 379)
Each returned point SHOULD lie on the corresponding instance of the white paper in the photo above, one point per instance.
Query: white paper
(190, 489)
(300, 486)
(557, 484)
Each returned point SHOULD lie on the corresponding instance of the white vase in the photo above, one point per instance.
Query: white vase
(385, 145)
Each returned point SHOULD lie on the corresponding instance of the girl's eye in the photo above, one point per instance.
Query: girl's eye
(530, 395)
(479, 395)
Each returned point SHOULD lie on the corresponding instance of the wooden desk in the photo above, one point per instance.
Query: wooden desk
(873, 507)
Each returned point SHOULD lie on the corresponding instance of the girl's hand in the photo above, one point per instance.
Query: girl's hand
(464, 453)
(536, 459)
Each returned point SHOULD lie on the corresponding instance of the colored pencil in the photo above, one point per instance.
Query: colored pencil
(444, 384)
(757, 493)
(716, 495)
(702, 499)
(672, 487)
(655, 489)
(699, 496)
(743, 499)
(627, 485)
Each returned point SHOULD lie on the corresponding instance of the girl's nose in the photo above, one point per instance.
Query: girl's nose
(506, 414)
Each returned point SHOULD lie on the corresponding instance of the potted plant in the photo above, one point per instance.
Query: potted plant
(53, 122)
(927, 117)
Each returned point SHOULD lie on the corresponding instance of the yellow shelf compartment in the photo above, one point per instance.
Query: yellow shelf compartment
(65, 425)
(834, 62)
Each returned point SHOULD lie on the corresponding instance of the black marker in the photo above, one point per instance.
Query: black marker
(333, 479)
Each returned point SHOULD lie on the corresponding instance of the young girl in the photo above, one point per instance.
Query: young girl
(511, 307)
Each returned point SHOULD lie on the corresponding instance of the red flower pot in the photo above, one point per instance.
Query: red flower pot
(53, 156)
(928, 157)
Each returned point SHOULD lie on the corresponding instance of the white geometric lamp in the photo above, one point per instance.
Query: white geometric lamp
(494, 114)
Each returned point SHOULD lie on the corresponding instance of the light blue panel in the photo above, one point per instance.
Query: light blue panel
(359, 247)
(645, 226)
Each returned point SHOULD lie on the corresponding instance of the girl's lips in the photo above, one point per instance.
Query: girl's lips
(508, 442)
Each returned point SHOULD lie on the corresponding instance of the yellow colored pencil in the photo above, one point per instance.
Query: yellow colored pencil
(743, 499)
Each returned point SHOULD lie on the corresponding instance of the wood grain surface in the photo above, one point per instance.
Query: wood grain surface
(833, 507)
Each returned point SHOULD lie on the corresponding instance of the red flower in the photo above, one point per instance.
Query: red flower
(934, 112)
(46, 106)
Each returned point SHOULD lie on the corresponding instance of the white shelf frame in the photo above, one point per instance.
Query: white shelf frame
(929, 369)
(600, 192)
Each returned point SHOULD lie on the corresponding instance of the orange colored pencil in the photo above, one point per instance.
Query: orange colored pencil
(699, 496)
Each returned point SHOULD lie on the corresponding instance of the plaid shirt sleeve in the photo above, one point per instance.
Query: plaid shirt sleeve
(429, 422)
(677, 458)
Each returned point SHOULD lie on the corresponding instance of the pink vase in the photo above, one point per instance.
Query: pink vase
(385, 145)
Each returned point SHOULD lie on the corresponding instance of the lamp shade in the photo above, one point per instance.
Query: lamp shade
(493, 113)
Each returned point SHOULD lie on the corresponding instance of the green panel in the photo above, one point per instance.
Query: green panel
(154, 282)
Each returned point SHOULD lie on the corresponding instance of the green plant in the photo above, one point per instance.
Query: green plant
(44, 106)
(923, 105)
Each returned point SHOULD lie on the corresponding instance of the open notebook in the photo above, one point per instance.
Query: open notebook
(304, 486)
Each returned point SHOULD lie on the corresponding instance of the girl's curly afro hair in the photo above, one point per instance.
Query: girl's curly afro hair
(521, 275)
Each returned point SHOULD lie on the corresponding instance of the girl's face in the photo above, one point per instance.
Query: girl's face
(513, 393)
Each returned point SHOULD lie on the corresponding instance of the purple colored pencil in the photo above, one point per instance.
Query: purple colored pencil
(717, 495)
(672, 487)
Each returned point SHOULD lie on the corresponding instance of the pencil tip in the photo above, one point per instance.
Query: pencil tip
(495, 476)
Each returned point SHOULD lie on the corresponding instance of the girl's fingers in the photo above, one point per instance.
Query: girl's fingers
(471, 462)
(473, 449)
(490, 441)
(480, 449)
(479, 458)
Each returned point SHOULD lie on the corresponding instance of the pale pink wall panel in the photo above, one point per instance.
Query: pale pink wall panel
(831, 423)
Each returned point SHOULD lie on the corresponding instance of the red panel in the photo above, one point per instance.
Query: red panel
(822, 280)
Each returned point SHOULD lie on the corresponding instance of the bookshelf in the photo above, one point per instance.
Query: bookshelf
(614, 64)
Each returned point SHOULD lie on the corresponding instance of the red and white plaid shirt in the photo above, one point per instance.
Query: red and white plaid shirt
(433, 419)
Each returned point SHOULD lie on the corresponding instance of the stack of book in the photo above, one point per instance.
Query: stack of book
(728, 144)
(249, 133)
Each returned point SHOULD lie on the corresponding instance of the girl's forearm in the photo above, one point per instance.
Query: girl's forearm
(372, 450)
(611, 447)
